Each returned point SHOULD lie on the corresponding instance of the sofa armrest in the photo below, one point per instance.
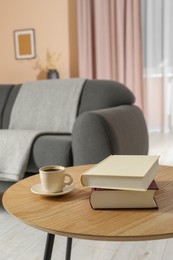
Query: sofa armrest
(118, 130)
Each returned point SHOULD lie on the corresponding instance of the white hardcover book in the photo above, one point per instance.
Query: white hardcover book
(126, 172)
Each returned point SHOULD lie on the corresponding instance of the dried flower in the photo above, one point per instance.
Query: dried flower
(52, 61)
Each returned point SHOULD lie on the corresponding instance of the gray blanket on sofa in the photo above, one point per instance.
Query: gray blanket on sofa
(41, 107)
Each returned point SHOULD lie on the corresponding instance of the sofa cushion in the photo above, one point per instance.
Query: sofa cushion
(50, 150)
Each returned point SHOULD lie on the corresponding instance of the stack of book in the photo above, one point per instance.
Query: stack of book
(123, 181)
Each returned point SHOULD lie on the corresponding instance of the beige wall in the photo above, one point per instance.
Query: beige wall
(55, 28)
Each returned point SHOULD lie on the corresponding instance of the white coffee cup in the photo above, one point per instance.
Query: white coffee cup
(53, 178)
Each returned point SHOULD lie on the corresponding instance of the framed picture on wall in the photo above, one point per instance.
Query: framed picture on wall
(24, 43)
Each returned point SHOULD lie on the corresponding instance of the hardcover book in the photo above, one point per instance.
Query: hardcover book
(125, 172)
(118, 199)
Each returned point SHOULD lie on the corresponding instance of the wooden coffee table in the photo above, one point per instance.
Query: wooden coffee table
(71, 215)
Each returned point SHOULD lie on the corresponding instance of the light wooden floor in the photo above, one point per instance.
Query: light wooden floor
(21, 242)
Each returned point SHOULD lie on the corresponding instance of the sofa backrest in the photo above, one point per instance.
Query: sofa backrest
(4, 95)
(6, 111)
(96, 94)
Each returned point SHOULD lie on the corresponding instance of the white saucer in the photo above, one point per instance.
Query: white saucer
(37, 189)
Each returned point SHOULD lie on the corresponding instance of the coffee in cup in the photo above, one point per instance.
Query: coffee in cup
(53, 178)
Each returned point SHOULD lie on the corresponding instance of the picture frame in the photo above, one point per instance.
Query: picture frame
(24, 42)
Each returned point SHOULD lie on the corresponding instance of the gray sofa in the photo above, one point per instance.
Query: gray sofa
(107, 122)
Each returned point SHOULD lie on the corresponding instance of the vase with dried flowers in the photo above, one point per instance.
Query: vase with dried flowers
(51, 65)
(52, 60)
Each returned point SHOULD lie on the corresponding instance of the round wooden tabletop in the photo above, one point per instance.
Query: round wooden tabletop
(71, 215)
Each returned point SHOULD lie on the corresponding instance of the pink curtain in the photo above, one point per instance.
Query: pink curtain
(109, 39)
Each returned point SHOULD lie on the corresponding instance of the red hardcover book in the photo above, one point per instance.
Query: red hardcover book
(119, 199)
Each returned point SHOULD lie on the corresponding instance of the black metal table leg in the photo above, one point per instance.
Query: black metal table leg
(68, 248)
(49, 246)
